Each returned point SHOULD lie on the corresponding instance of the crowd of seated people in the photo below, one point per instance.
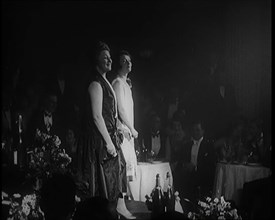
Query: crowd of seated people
(234, 139)
(154, 137)
(243, 143)
(45, 103)
(168, 128)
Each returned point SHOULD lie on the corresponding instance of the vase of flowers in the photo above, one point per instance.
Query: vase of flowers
(47, 158)
(214, 209)
(23, 209)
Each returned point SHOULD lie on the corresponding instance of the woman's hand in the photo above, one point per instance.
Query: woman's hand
(111, 150)
(127, 135)
(134, 133)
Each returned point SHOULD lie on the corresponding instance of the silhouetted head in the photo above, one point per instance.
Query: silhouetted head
(93, 208)
(58, 197)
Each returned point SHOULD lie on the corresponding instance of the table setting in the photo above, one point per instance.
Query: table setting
(149, 165)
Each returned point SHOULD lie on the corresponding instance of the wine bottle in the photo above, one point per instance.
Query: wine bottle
(158, 206)
(169, 195)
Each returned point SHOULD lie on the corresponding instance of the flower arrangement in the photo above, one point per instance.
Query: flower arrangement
(215, 209)
(24, 209)
(48, 157)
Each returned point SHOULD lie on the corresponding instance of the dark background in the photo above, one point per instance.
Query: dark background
(171, 41)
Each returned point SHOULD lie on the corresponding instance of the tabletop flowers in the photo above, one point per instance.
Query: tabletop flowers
(47, 156)
(23, 209)
(216, 208)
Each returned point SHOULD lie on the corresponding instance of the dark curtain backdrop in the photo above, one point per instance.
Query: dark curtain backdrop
(170, 41)
(248, 56)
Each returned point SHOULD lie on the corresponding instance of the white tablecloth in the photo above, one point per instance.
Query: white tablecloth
(146, 178)
(230, 178)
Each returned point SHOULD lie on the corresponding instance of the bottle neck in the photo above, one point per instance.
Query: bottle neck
(157, 182)
(168, 177)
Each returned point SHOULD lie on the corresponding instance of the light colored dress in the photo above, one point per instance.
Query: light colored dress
(127, 146)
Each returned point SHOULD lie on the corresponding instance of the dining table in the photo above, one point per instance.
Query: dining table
(230, 178)
(145, 180)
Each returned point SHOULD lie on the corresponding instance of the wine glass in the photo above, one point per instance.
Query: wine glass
(138, 154)
(153, 155)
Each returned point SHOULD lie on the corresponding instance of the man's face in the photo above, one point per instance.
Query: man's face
(156, 124)
(176, 126)
(52, 103)
(197, 131)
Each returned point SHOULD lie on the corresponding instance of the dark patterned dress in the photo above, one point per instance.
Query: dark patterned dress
(103, 173)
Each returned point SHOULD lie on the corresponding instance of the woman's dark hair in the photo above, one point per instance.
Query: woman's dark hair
(97, 48)
(120, 54)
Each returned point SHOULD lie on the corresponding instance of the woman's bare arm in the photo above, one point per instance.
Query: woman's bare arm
(96, 96)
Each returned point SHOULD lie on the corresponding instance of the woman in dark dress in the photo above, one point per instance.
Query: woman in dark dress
(100, 160)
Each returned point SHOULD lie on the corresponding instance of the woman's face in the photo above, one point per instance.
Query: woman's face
(105, 61)
(126, 63)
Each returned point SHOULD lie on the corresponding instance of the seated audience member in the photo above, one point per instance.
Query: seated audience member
(254, 141)
(171, 104)
(45, 119)
(199, 161)
(175, 142)
(231, 146)
(70, 146)
(94, 208)
(154, 138)
(180, 114)
(58, 197)
(59, 84)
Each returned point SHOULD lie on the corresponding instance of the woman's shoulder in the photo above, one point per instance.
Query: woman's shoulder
(94, 78)
(94, 86)
(117, 81)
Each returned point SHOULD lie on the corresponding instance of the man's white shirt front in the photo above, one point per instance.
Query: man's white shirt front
(195, 151)
(48, 120)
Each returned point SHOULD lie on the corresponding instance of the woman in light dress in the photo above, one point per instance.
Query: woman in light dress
(122, 88)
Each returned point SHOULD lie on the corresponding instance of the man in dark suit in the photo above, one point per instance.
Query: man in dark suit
(67, 107)
(154, 138)
(45, 119)
(198, 164)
